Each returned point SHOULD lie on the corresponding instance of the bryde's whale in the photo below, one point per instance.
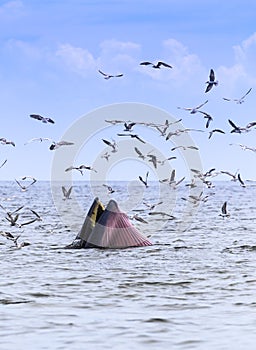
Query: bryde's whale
(108, 228)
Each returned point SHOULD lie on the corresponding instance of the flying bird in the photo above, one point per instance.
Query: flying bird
(80, 168)
(112, 144)
(211, 82)
(39, 139)
(179, 132)
(164, 128)
(13, 219)
(244, 147)
(108, 76)
(239, 129)
(9, 236)
(4, 162)
(224, 212)
(193, 110)
(233, 176)
(128, 126)
(22, 186)
(215, 130)
(145, 182)
(56, 145)
(66, 192)
(240, 180)
(42, 119)
(109, 188)
(185, 148)
(208, 117)
(6, 142)
(153, 159)
(171, 180)
(20, 245)
(140, 154)
(157, 65)
(151, 206)
(106, 156)
(133, 136)
(138, 218)
(170, 217)
(238, 100)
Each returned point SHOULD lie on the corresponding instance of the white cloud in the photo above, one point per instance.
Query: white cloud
(76, 59)
(11, 9)
(23, 48)
(243, 70)
(117, 55)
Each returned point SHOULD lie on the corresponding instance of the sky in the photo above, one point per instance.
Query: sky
(50, 55)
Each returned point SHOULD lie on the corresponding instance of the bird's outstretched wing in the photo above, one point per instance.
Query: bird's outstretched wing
(212, 75)
(160, 63)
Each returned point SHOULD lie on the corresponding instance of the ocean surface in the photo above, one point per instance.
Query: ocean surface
(194, 288)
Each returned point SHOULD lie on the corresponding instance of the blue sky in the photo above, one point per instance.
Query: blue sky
(51, 52)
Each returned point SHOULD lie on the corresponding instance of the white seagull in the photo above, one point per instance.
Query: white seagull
(238, 100)
(211, 81)
(108, 76)
(42, 119)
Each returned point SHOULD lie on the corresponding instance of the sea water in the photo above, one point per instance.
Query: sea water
(194, 288)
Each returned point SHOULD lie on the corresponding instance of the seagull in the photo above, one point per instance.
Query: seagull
(192, 184)
(239, 100)
(13, 219)
(185, 148)
(7, 235)
(171, 181)
(208, 117)
(145, 182)
(178, 132)
(153, 159)
(171, 217)
(162, 162)
(138, 218)
(139, 153)
(20, 245)
(106, 155)
(38, 217)
(238, 129)
(109, 188)
(42, 119)
(196, 199)
(215, 130)
(164, 128)
(157, 65)
(56, 145)
(244, 147)
(224, 212)
(152, 206)
(108, 76)
(240, 180)
(133, 136)
(40, 139)
(80, 168)
(128, 127)
(211, 81)
(114, 122)
(3, 163)
(112, 144)
(23, 187)
(66, 193)
(233, 176)
(203, 176)
(5, 142)
(193, 110)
